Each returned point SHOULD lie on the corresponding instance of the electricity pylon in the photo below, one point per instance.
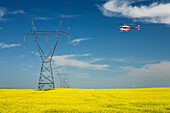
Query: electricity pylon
(64, 80)
(46, 79)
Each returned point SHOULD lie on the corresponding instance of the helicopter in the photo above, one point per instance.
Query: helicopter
(127, 27)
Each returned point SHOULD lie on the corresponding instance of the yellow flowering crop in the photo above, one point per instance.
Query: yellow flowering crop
(144, 100)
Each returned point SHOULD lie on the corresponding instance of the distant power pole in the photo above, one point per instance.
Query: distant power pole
(64, 80)
(46, 79)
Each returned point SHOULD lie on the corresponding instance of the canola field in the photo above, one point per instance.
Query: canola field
(142, 100)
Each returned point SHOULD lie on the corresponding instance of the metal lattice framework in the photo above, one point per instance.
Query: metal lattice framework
(46, 79)
(64, 80)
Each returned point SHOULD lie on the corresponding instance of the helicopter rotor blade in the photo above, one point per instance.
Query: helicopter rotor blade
(119, 23)
(124, 24)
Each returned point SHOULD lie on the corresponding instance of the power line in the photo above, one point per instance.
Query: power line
(19, 8)
(45, 33)
(46, 74)
(29, 22)
(13, 36)
(68, 30)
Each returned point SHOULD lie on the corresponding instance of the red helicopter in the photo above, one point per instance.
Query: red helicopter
(125, 27)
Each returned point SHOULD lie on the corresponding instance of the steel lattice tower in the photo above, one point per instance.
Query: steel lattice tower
(46, 79)
(64, 80)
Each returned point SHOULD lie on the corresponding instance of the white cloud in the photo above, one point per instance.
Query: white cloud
(153, 13)
(41, 18)
(2, 13)
(16, 12)
(149, 75)
(31, 66)
(78, 40)
(134, 60)
(80, 55)
(24, 69)
(124, 60)
(156, 69)
(2, 45)
(96, 60)
(87, 54)
(35, 53)
(69, 16)
(63, 61)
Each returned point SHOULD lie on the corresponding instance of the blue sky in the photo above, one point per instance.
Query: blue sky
(100, 56)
